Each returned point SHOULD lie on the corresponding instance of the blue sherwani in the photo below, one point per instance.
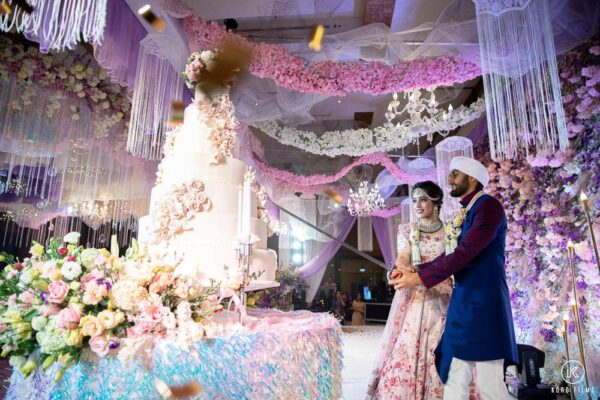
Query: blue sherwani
(479, 324)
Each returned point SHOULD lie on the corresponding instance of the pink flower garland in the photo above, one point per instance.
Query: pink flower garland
(287, 178)
(334, 78)
(387, 212)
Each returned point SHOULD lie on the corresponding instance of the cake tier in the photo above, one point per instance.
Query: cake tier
(208, 228)
(206, 251)
(194, 135)
(223, 196)
(205, 262)
(189, 165)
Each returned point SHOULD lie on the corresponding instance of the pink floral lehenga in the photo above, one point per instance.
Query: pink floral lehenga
(405, 367)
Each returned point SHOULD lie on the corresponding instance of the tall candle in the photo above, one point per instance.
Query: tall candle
(246, 213)
(239, 211)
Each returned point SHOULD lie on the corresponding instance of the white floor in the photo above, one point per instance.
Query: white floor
(360, 347)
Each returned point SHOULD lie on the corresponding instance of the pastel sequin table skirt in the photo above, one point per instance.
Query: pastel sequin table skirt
(295, 355)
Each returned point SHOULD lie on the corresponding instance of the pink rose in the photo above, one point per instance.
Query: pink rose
(94, 293)
(27, 299)
(62, 251)
(12, 299)
(90, 277)
(90, 326)
(139, 329)
(2, 327)
(18, 266)
(71, 258)
(57, 291)
(48, 310)
(68, 319)
(12, 273)
(100, 260)
(99, 345)
(158, 313)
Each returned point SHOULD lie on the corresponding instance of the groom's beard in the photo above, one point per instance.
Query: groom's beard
(460, 188)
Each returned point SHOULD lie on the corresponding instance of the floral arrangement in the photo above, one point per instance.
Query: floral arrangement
(334, 78)
(415, 238)
(197, 62)
(65, 299)
(74, 80)
(177, 207)
(302, 181)
(453, 230)
(280, 297)
(358, 142)
(540, 196)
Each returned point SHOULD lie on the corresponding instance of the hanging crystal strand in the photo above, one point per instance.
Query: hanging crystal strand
(523, 101)
(5, 232)
(19, 241)
(157, 83)
(365, 233)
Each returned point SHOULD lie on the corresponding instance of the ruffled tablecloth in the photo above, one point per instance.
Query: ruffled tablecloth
(295, 355)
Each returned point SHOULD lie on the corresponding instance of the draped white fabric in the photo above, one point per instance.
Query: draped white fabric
(445, 151)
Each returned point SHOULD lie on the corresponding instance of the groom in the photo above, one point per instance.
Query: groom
(479, 330)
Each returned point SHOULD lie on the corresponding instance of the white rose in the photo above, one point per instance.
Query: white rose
(71, 270)
(17, 361)
(25, 278)
(72, 237)
(206, 56)
(88, 256)
(38, 323)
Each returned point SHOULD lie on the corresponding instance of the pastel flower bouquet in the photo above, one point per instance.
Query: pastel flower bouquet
(197, 62)
(66, 299)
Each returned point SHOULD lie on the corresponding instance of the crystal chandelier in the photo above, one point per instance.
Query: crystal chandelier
(424, 116)
(92, 212)
(365, 200)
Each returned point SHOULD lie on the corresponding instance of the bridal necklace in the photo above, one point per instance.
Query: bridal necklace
(430, 227)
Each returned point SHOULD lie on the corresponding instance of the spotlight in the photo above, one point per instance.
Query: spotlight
(296, 245)
(296, 258)
(528, 386)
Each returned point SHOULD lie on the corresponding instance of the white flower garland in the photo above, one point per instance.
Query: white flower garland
(358, 142)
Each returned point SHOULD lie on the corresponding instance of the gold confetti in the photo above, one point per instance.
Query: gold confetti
(5, 8)
(316, 37)
(227, 65)
(187, 390)
(177, 110)
(146, 13)
(333, 195)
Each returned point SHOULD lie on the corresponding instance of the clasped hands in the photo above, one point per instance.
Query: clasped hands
(404, 277)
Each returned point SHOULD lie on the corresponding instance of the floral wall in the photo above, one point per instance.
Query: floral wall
(541, 196)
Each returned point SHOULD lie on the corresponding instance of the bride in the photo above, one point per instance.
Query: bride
(405, 367)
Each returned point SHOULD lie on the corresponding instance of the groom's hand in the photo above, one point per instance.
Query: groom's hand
(407, 278)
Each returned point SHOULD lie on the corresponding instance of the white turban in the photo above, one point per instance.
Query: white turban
(472, 168)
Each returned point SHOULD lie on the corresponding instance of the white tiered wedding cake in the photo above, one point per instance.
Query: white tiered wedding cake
(195, 204)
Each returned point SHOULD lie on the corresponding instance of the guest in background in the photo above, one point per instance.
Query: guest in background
(358, 310)
(339, 307)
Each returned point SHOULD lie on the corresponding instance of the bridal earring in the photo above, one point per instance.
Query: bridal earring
(436, 213)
